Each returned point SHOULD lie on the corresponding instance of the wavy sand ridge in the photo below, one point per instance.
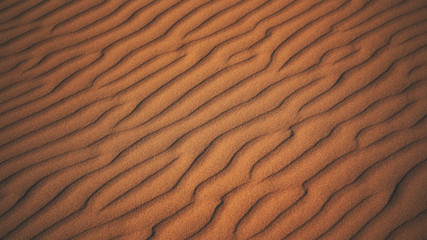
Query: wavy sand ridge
(219, 119)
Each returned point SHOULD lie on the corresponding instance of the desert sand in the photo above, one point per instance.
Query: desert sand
(221, 119)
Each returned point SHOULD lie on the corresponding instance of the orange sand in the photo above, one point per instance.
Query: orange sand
(222, 119)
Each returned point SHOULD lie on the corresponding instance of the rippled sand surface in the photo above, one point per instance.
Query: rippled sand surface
(221, 119)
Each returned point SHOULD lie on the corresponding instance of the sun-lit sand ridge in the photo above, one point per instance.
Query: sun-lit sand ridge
(167, 119)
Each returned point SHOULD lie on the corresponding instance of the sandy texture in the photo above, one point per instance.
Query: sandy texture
(222, 119)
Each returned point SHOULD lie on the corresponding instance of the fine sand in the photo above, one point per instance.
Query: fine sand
(213, 119)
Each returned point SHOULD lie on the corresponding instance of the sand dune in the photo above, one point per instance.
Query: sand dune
(222, 119)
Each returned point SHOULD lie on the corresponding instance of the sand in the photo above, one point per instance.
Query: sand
(221, 119)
